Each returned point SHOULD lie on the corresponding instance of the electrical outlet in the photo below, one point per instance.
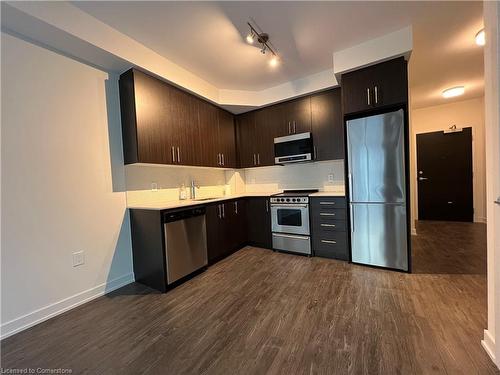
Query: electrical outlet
(330, 178)
(154, 186)
(78, 258)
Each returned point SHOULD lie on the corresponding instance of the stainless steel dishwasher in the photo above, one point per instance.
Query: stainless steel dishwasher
(185, 242)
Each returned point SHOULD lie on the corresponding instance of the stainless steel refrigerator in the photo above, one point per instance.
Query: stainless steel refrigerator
(377, 190)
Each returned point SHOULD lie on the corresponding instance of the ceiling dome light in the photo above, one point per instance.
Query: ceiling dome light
(453, 91)
(480, 38)
(273, 62)
(250, 38)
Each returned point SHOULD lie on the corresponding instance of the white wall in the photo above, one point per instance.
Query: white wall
(296, 176)
(62, 185)
(491, 11)
(467, 113)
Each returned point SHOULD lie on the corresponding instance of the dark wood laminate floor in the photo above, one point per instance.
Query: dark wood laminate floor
(259, 312)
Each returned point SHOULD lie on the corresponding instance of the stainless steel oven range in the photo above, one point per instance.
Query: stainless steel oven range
(290, 221)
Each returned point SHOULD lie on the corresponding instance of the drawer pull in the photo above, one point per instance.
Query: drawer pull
(329, 241)
(327, 203)
(326, 214)
(328, 225)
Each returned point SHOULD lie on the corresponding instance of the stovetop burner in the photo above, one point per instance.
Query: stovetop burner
(296, 193)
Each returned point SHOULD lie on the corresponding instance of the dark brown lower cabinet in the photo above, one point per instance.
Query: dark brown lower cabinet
(329, 227)
(226, 228)
(259, 222)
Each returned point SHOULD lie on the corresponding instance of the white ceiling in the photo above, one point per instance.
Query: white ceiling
(207, 38)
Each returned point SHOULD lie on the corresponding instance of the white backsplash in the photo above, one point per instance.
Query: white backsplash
(296, 176)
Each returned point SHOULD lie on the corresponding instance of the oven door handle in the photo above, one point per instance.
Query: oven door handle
(291, 236)
(292, 205)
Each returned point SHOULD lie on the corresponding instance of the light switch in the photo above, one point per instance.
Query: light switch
(330, 178)
(78, 258)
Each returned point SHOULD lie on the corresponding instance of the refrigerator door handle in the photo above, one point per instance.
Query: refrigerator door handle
(351, 211)
(349, 178)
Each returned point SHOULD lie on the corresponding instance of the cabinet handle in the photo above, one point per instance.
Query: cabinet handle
(258, 159)
(315, 153)
(328, 225)
(219, 214)
(294, 127)
(289, 128)
(173, 154)
(327, 203)
(267, 206)
(236, 208)
(254, 160)
(218, 159)
(326, 214)
(368, 96)
(223, 210)
(329, 241)
(351, 211)
(178, 155)
(376, 94)
(223, 159)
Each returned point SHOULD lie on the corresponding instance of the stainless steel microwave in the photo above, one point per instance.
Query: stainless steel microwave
(294, 148)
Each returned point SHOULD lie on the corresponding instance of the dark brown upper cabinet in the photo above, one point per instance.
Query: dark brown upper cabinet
(162, 124)
(327, 125)
(377, 86)
(297, 115)
(246, 137)
(226, 140)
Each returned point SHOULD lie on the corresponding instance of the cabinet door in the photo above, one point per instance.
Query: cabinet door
(376, 86)
(259, 222)
(327, 125)
(246, 139)
(298, 115)
(227, 140)
(269, 124)
(209, 135)
(156, 129)
(185, 114)
(236, 222)
(216, 233)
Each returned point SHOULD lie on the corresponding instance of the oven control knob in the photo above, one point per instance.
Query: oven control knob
(288, 199)
(293, 199)
(281, 199)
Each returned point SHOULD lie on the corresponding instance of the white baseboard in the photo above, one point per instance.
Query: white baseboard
(488, 344)
(26, 321)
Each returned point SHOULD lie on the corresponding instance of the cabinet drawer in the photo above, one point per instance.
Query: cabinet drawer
(327, 214)
(329, 225)
(328, 202)
(331, 246)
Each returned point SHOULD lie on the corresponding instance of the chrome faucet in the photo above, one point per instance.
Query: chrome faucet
(193, 189)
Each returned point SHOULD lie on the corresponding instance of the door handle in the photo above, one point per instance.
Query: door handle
(328, 225)
(327, 203)
(352, 218)
(368, 96)
(329, 241)
(178, 155)
(325, 214)
(497, 201)
(376, 94)
(422, 178)
(297, 237)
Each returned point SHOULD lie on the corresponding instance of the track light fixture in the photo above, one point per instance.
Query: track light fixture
(265, 44)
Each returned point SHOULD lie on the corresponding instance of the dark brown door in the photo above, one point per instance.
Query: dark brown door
(185, 114)
(213, 223)
(236, 221)
(444, 175)
(209, 134)
(245, 139)
(327, 125)
(298, 115)
(259, 222)
(227, 141)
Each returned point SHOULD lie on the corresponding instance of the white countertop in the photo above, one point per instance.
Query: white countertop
(168, 205)
(328, 194)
